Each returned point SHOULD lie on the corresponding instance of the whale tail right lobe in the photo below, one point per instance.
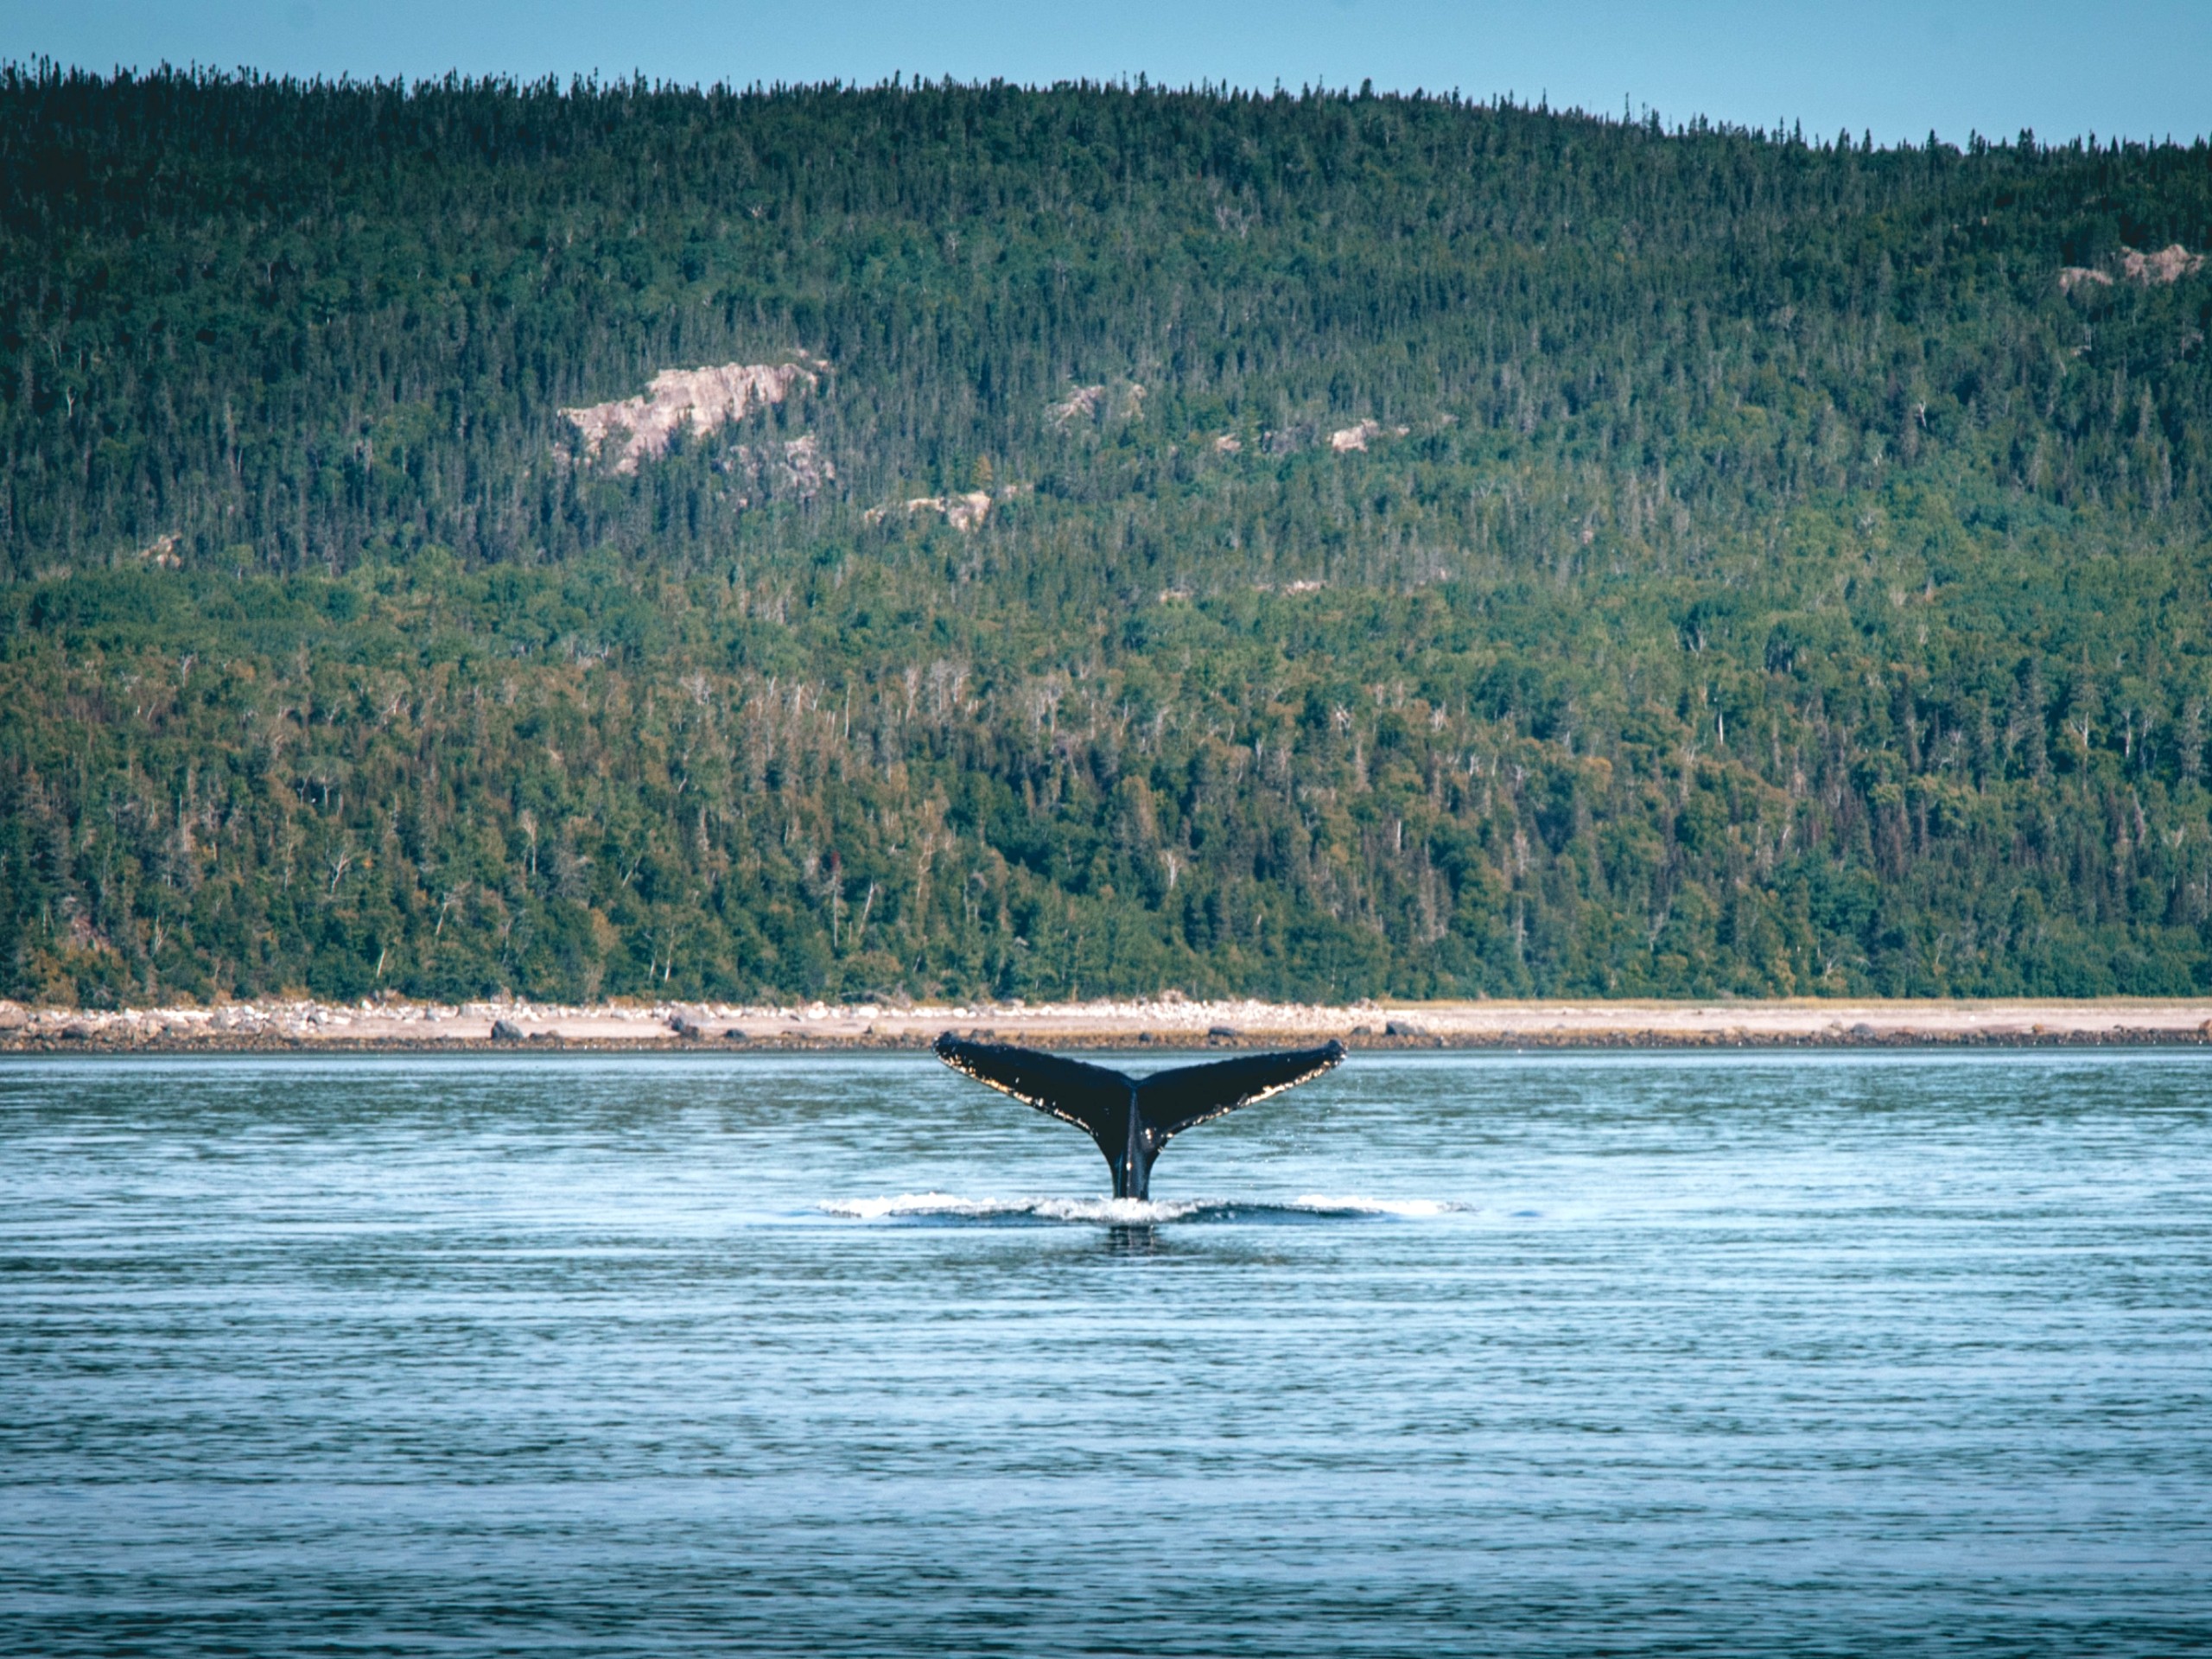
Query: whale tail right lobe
(1131, 1118)
(1188, 1096)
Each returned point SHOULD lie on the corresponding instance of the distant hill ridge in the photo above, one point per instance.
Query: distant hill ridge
(1300, 546)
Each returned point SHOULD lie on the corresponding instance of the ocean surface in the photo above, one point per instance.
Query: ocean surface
(1845, 1354)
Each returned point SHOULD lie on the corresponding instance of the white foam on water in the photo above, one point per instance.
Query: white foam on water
(1042, 1209)
(1119, 1211)
(1354, 1203)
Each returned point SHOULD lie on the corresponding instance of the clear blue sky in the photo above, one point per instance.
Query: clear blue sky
(2142, 68)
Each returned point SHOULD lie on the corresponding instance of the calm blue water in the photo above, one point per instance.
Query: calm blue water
(832, 1356)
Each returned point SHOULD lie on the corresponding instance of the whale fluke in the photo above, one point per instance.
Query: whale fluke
(1131, 1118)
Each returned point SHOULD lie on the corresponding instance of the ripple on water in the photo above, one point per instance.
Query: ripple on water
(1553, 1355)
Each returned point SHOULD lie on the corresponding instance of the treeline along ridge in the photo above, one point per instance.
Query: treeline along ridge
(1365, 545)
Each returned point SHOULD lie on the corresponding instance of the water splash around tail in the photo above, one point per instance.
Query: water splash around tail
(945, 1206)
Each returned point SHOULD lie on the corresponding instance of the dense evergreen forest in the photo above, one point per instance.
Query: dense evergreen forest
(1410, 547)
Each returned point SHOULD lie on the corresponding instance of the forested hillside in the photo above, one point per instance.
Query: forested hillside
(1299, 545)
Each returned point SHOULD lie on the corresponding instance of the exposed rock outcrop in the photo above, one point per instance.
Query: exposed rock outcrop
(1085, 401)
(796, 467)
(964, 511)
(2168, 264)
(681, 398)
(1344, 440)
(1125, 403)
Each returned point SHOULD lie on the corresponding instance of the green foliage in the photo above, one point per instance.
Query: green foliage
(1781, 583)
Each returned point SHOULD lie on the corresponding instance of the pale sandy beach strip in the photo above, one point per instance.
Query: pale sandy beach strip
(1168, 1022)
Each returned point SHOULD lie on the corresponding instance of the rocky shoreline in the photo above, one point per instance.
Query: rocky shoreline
(1168, 1023)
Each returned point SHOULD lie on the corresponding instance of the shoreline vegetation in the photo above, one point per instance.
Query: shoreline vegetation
(1170, 1023)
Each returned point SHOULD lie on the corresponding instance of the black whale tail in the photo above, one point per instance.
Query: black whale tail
(1131, 1118)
